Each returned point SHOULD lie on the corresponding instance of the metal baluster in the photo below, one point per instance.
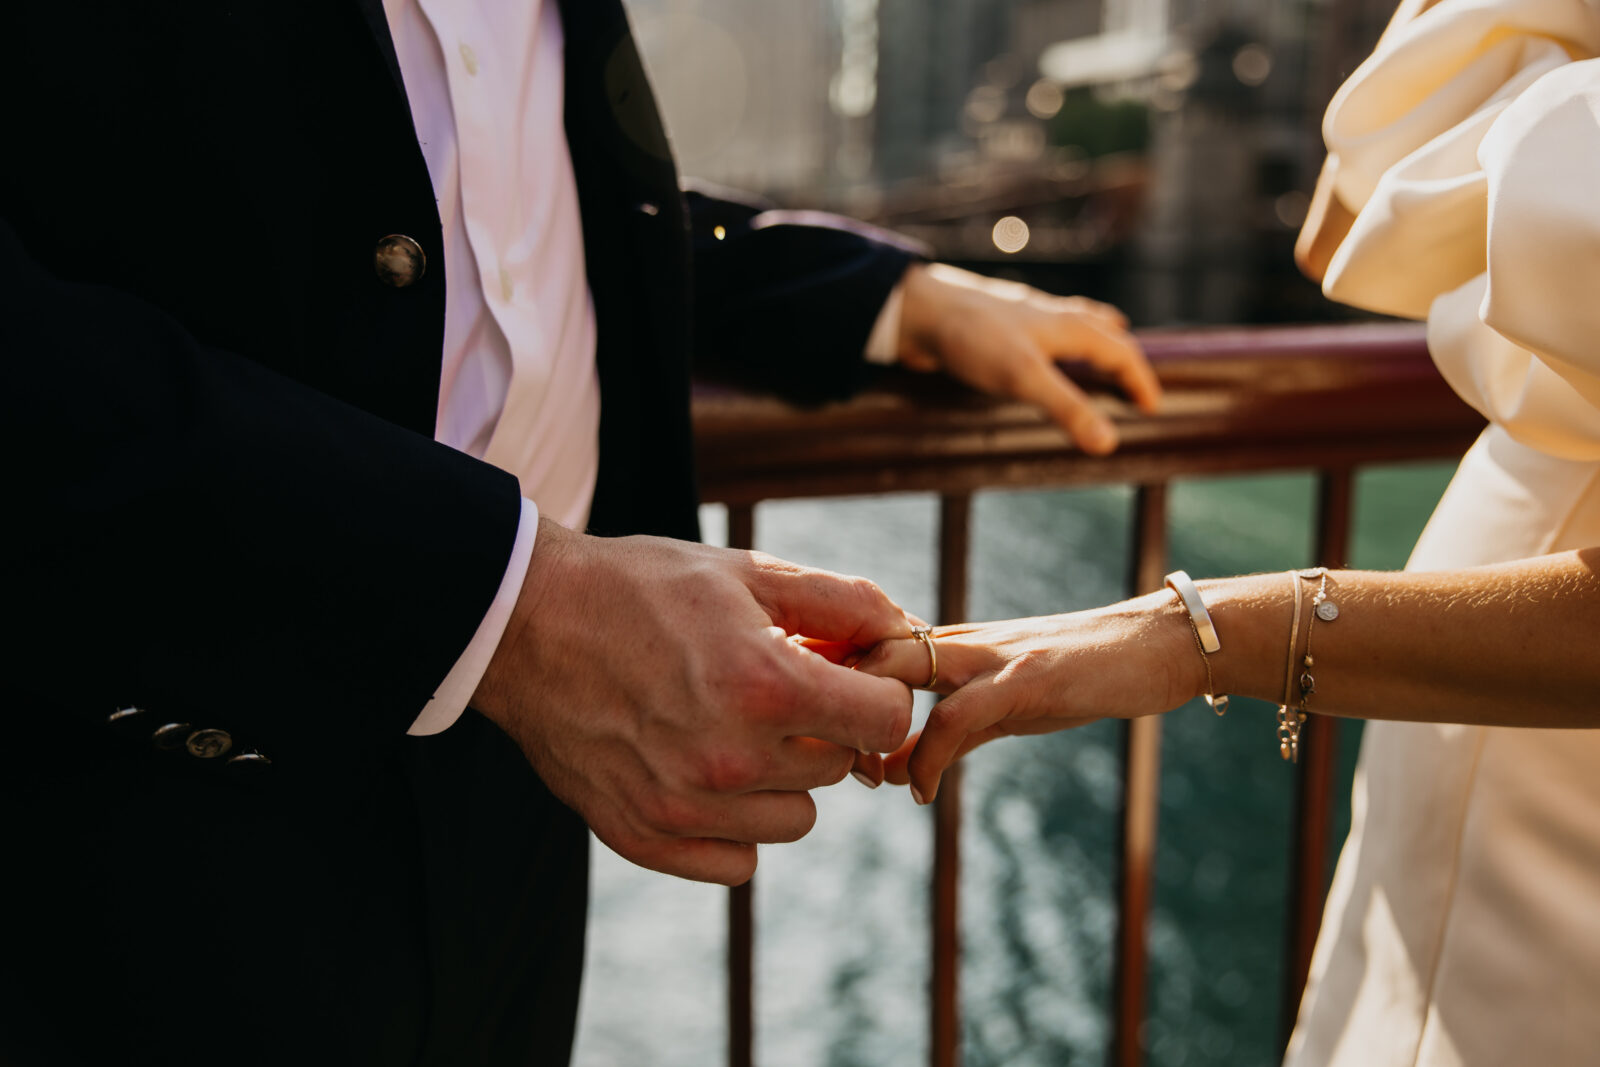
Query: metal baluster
(741, 899)
(1140, 803)
(955, 530)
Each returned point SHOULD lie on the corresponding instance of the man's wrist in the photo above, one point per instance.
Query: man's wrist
(883, 344)
(507, 672)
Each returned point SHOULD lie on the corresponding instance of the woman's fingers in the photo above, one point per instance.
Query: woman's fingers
(910, 661)
(971, 712)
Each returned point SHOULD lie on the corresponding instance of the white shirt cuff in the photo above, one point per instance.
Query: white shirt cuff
(883, 343)
(451, 698)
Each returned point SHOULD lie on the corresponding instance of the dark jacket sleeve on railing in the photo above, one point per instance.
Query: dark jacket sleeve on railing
(785, 300)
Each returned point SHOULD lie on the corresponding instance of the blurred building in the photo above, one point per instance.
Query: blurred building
(743, 87)
(1157, 153)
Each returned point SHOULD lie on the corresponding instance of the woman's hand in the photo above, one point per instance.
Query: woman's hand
(1005, 338)
(1033, 676)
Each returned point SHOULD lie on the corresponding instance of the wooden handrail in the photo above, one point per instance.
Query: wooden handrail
(1325, 398)
(1236, 400)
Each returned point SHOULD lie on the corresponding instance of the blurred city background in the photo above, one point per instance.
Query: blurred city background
(1158, 153)
(1155, 153)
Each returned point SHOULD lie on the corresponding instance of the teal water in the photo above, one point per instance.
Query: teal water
(842, 958)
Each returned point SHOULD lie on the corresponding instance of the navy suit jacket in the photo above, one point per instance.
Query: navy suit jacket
(231, 516)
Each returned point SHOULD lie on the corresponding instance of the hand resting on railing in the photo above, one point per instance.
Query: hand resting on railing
(1004, 338)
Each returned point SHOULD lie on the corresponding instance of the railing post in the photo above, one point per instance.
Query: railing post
(1319, 749)
(1140, 801)
(955, 532)
(741, 898)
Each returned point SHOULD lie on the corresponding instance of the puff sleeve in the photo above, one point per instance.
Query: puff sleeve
(1466, 152)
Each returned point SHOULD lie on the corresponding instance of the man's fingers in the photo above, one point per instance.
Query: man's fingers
(819, 604)
(867, 768)
(1044, 384)
(851, 708)
(771, 817)
(700, 859)
(1107, 313)
(1113, 350)
(763, 817)
(809, 763)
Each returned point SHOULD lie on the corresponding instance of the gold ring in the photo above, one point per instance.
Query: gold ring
(925, 635)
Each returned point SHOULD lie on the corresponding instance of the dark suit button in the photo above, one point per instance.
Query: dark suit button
(399, 260)
(208, 744)
(248, 765)
(127, 721)
(170, 738)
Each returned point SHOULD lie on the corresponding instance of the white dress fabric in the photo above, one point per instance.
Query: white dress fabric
(1463, 927)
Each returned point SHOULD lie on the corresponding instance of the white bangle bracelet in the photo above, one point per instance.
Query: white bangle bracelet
(1205, 633)
(1180, 582)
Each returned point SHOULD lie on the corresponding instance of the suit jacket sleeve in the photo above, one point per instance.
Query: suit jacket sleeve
(785, 300)
(222, 544)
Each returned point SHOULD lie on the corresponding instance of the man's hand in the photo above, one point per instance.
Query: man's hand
(1005, 338)
(653, 686)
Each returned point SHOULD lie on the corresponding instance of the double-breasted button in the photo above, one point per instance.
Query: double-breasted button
(129, 721)
(208, 744)
(399, 260)
(248, 765)
(171, 737)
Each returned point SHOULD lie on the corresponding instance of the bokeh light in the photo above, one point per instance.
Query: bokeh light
(1011, 235)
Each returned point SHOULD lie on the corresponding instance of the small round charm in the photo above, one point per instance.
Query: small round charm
(1327, 611)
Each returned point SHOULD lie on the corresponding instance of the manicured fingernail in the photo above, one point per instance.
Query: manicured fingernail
(916, 794)
(864, 778)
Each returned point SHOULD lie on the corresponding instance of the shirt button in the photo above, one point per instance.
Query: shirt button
(399, 260)
(469, 59)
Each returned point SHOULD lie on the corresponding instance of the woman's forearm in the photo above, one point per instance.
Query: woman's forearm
(1513, 644)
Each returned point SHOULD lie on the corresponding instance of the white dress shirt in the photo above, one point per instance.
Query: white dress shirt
(518, 384)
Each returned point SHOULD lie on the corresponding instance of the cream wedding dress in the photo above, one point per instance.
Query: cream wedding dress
(1463, 925)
